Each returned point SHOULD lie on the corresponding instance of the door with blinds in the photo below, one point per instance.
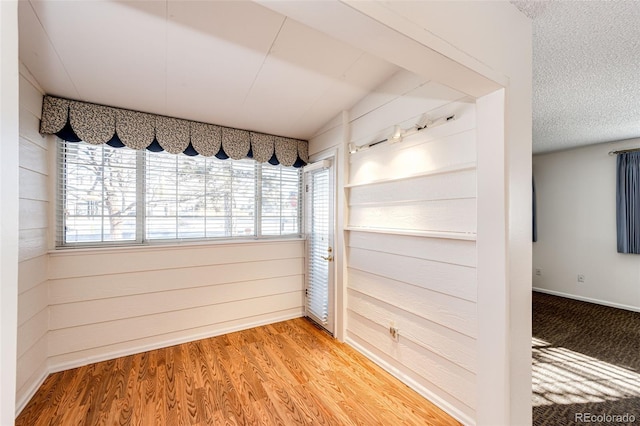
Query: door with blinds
(320, 228)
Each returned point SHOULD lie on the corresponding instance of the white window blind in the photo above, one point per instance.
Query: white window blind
(121, 195)
(280, 200)
(98, 190)
(198, 197)
(318, 245)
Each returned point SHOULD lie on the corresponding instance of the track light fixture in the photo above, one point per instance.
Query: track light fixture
(399, 133)
(428, 124)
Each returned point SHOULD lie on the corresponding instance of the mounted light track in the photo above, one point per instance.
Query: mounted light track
(399, 133)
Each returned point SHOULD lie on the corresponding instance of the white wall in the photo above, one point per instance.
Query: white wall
(492, 40)
(106, 303)
(576, 206)
(423, 283)
(33, 314)
(9, 106)
(410, 244)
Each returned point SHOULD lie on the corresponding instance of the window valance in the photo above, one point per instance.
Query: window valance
(76, 121)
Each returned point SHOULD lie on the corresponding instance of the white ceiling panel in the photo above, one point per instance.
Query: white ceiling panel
(354, 85)
(213, 61)
(233, 63)
(242, 23)
(312, 50)
(303, 64)
(309, 68)
(281, 93)
(103, 44)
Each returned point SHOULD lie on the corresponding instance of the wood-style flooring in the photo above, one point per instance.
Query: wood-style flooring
(289, 373)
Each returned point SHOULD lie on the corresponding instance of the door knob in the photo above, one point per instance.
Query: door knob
(328, 258)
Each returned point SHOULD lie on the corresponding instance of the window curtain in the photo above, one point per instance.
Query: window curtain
(628, 202)
(75, 121)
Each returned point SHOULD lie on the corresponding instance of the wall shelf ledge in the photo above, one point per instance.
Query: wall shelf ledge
(448, 169)
(468, 236)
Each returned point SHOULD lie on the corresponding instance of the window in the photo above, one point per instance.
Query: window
(119, 195)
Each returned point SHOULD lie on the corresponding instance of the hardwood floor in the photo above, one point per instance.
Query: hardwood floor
(287, 373)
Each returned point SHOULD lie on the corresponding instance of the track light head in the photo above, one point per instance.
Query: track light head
(396, 136)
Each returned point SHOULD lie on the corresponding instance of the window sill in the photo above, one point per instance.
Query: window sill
(160, 246)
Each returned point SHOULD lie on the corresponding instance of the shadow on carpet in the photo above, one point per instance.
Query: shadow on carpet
(586, 363)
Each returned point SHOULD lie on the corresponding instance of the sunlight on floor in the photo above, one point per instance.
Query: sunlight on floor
(562, 376)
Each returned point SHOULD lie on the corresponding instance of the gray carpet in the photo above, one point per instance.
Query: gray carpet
(586, 363)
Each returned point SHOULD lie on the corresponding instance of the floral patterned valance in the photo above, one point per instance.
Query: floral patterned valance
(76, 121)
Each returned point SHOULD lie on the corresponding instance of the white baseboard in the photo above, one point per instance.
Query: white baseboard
(587, 299)
(54, 368)
(23, 400)
(442, 404)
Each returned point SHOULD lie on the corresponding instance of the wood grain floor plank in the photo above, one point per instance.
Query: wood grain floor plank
(160, 403)
(288, 373)
(170, 392)
(266, 413)
(286, 407)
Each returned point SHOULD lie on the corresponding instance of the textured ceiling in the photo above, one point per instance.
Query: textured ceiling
(586, 72)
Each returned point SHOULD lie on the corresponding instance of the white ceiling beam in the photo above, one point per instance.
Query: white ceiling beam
(379, 31)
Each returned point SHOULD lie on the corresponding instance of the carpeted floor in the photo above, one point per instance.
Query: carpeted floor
(586, 363)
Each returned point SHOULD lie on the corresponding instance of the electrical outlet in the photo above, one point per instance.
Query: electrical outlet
(394, 332)
(539, 272)
(580, 278)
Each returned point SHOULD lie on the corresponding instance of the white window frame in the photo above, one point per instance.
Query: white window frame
(140, 216)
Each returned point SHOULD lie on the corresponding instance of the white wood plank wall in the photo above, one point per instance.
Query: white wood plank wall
(111, 302)
(400, 197)
(83, 305)
(33, 222)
